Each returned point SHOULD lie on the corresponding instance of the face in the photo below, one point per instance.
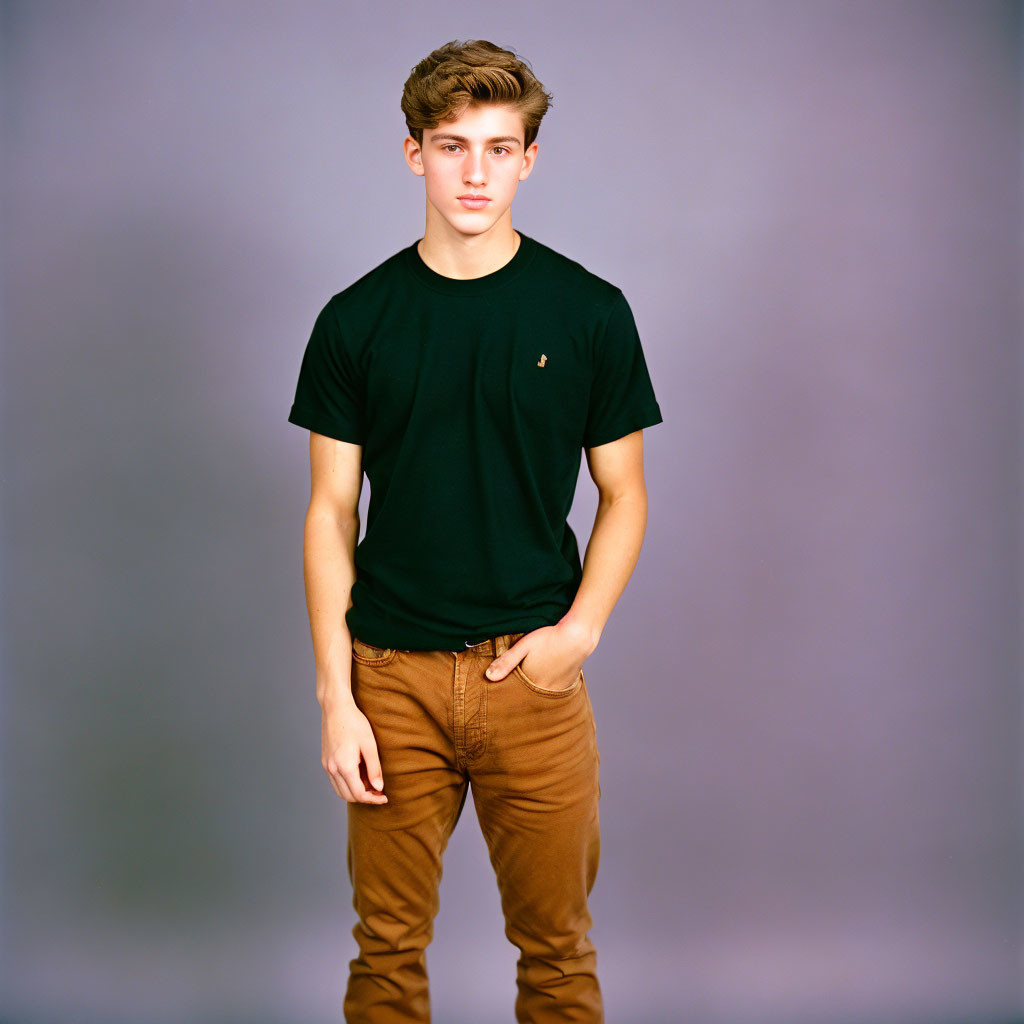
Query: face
(480, 153)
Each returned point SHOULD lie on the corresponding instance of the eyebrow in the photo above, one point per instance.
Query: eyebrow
(463, 139)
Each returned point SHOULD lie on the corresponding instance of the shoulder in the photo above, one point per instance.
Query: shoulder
(369, 292)
(589, 290)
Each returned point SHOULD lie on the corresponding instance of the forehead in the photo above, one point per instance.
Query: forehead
(483, 122)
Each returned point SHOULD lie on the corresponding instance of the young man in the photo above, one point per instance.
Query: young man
(465, 374)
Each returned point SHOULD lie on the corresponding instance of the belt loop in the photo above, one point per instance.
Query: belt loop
(501, 645)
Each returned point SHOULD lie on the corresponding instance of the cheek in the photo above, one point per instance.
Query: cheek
(439, 178)
(506, 181)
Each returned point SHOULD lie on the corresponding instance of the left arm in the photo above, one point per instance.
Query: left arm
(612, 552)
(617, 468)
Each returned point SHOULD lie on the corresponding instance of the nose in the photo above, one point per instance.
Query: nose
(473, 172)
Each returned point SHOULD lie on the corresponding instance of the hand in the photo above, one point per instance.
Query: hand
(558, 650)
(349, 754)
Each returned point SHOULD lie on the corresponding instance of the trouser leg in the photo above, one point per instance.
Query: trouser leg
(536, 792)
(394, 850)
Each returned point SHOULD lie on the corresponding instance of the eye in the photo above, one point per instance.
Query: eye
(450, 145)
(502, 148)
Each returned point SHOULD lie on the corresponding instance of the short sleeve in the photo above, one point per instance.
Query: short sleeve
(622, 397)
(329, 396)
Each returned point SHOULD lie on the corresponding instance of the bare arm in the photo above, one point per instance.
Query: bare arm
(617, 468)
(612, 552)
(331, 535)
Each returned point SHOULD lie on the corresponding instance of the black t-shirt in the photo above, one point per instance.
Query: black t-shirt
(473, 400)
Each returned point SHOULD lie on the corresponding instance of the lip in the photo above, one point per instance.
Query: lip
(474, 202)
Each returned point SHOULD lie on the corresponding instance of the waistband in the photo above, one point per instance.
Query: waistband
(495, 645)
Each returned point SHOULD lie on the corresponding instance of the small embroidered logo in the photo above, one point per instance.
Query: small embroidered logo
(543, 360)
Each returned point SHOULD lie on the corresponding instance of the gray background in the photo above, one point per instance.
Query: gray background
(808, 699)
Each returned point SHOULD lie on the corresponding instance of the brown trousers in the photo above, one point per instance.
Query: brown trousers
(530, 755)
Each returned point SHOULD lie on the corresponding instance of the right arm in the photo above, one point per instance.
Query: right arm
(331, 535)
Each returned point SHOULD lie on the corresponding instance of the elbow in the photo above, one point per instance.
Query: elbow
(633, 494)
(343, 517)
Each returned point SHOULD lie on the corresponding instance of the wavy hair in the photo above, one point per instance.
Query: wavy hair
(460, 74)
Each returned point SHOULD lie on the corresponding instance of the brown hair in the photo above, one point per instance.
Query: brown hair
(459, 74)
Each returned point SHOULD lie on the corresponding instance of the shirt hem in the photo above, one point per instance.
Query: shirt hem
(425, 641)
(649, 417)
(320, 424)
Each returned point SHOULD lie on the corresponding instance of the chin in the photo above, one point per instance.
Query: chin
(473, 225)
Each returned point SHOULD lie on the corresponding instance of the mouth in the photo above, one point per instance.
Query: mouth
(472, 202)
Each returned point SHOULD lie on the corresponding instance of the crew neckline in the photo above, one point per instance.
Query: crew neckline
(473, 285)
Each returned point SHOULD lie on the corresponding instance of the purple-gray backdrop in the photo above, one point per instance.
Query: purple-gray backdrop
(808, 698)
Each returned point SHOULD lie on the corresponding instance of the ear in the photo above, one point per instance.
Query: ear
(529, 156)
(413, 155)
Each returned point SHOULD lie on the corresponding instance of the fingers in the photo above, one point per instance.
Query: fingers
(500, 667)
(504, 663)
(341, 787)
(333, 770)
(372, 762)
(331, 767)
(350, 784)
(359, 786)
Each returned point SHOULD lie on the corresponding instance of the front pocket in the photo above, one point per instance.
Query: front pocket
(567, 692)
(370, 654)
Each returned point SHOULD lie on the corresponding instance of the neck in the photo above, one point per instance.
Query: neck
(462, 256)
